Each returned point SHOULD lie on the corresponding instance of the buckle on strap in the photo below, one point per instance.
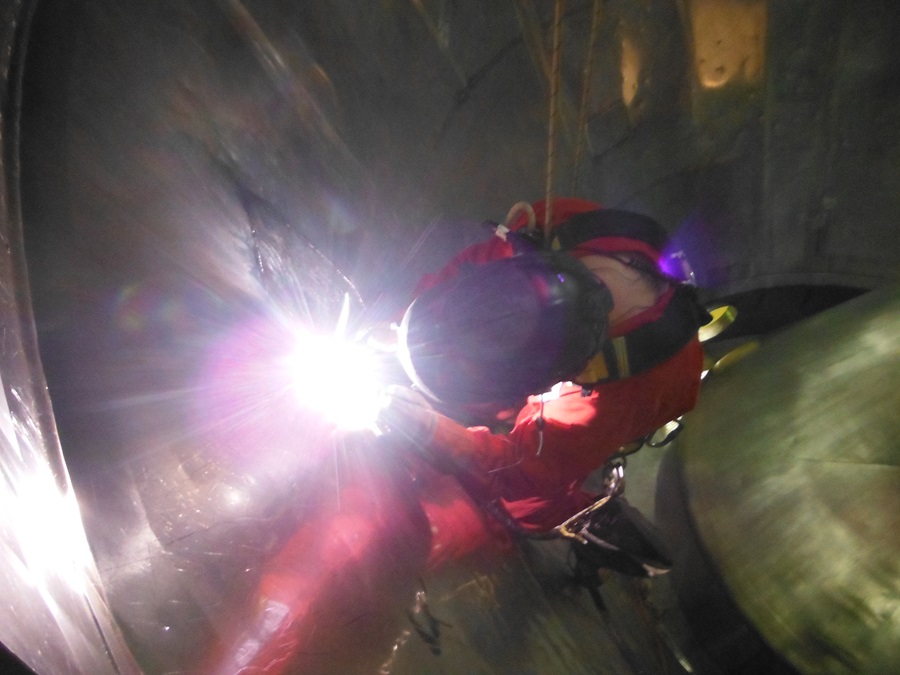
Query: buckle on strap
(576, 526)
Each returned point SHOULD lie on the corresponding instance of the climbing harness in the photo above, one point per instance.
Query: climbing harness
(610, 533)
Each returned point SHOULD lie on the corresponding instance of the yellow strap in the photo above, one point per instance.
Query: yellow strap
(621, 350)
(595, 371)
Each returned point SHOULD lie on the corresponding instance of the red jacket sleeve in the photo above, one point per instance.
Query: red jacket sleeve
(538, 468)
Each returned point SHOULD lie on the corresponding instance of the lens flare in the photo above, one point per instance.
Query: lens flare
(337, 379)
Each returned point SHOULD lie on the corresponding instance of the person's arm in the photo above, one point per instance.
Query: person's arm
(550, 449)
(552, 445)
(449, 445)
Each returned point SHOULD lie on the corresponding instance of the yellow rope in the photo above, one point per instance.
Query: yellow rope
(551, 126)
(586, 91)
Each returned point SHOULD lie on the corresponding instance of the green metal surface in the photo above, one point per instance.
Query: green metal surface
(792, 465)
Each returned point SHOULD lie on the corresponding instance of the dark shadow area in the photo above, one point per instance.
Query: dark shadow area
(720, 638)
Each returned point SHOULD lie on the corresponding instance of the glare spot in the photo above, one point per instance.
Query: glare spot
(51, 539)
(729, 40)
(631, 70)
(337, 379)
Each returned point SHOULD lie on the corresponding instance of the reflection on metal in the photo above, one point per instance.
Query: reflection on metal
(631, 70)
(665, 434)
(792, 465)
(295, 86)
(735, 355)
(729, 41)
(55, 614)
(722, 317)
(440, 31)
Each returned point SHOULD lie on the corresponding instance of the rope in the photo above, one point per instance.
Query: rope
(551, 125)
(586, 90)
(520, 207)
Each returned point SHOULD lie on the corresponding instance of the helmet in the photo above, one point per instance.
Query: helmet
(613, 231)
(505, 329)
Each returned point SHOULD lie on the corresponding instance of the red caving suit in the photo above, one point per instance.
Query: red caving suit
(538, 481)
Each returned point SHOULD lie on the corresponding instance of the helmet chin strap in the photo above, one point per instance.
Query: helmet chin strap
(595, 371)
(610, 363)
(648, 345)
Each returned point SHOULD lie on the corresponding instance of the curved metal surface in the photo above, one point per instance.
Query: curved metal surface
(56, 614)
(185, 166)
(792, 471)
(230, 527)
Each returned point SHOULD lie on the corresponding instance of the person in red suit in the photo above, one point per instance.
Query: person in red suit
(534, 471)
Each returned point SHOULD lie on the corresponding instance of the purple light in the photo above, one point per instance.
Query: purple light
(671, 266)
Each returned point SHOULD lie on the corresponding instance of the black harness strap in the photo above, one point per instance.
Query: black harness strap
(657, 341)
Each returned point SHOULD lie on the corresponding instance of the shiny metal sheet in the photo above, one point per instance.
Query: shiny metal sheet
(156, 138)
(792, 467)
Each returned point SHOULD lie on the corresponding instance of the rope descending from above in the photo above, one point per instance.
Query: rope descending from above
(551, 126)
(586, 91)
